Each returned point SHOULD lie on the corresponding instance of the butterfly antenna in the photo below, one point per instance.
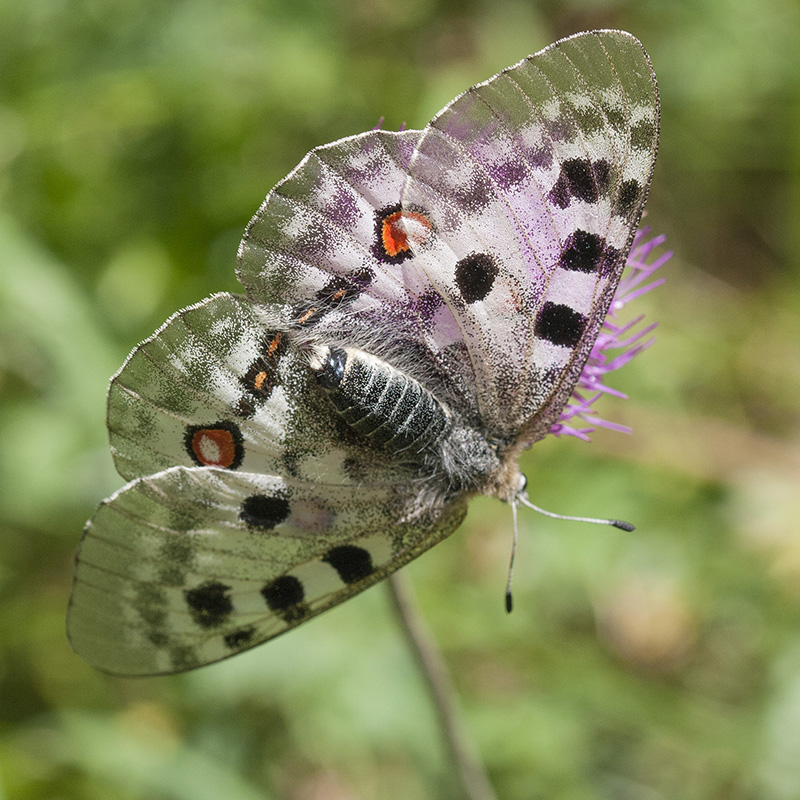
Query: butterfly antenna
(509, 600)
(616, 523)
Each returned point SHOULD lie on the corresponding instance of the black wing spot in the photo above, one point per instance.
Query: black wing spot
(283, 593)
(475, 275)
(263, 511)
(239, 639)
(629, 194)
(583, 252)
(580, 179)
(209, 604)
(352, 563)
(559, 324)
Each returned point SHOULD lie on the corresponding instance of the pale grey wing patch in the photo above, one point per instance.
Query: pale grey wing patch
(535, 181)
(192, 565)
(328, 243)
(318, 223)
(220, 384)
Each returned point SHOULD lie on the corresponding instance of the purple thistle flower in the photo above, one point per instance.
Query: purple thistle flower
(629, 338)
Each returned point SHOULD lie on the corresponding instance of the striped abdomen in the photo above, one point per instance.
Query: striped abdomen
(393, 410)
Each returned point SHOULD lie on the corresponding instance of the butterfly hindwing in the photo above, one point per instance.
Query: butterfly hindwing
(221, 384)
(192, 565)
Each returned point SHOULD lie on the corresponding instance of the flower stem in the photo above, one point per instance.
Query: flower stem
(429, 658)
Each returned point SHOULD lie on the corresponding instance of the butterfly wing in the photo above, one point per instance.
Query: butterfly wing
(192, 565)
(329, 241)
(534, 182)
(187, 394)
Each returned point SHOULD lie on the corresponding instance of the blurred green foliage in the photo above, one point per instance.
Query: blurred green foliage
(136, 140)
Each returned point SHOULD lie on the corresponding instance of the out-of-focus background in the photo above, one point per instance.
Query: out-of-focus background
(136, 140)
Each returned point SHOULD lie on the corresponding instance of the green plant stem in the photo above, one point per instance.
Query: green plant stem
(429, 658)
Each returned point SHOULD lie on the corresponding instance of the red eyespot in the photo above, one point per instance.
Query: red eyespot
(394, 233)
(217, 446)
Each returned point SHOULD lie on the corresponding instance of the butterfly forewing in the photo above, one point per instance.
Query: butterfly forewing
(535, 182)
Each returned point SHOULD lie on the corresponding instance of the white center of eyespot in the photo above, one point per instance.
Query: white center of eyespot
(416, 228)
(209, 450)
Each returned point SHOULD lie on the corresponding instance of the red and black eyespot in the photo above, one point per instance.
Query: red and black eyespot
(391, 239)
(262, 375)
(217, 445)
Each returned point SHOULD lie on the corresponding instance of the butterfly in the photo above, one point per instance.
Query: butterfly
(419, 307)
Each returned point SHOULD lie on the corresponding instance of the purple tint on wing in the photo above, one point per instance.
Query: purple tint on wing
(561, 129)
(477, 192)
(343, 209)
(429, 304)
(540, 157)
(508, 173)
